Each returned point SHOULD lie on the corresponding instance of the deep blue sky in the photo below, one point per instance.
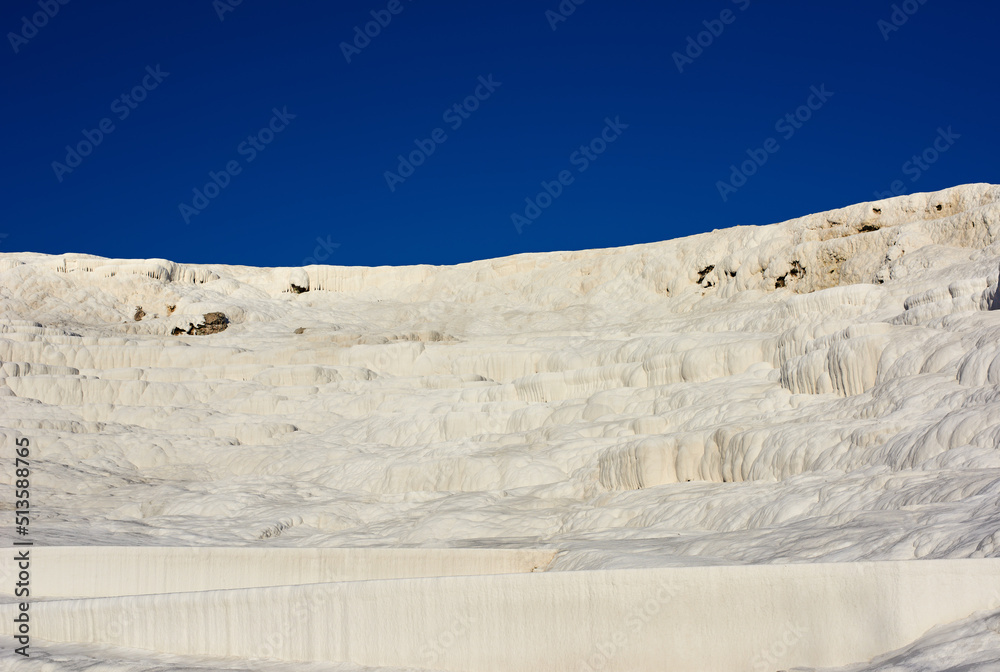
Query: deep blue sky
(323, 176)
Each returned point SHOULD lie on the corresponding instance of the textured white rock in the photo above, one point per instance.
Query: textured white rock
(824, 389)
(974, 641)
(700, 619)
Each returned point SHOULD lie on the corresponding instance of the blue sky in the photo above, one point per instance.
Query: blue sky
(577, 126)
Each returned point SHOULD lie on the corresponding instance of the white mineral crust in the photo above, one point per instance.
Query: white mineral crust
(753, 449)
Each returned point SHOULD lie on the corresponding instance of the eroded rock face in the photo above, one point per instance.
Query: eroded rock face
(995, 305)
(213, 324)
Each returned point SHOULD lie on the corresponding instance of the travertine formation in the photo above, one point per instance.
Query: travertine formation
(747, 617)
(824, 390)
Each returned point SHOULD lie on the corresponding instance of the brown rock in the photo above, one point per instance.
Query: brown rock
(213, 324)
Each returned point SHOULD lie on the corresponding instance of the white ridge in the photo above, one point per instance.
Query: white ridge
(816, 393)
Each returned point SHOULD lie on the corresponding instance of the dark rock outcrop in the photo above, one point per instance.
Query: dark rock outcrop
(213, 324)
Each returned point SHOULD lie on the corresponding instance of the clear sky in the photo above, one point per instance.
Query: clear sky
(270, 133)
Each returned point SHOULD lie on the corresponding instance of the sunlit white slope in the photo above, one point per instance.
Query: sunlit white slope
(823, 389)
(700, 619)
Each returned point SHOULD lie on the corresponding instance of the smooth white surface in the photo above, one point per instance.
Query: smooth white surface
(109, 571)
(652, 406)
(691, 619)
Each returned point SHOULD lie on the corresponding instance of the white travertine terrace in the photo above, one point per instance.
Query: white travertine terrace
(114, 571)
(823, 392)
(690, 619)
